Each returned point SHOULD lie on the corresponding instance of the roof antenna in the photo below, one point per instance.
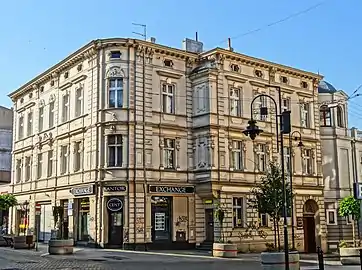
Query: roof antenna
(144, 34)
(229, 45)
(197, 37)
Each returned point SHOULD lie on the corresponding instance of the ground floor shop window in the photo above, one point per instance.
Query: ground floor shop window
(83, 220)
(161, 218)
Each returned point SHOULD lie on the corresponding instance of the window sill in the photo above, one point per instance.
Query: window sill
(115, 167)
(25, 138)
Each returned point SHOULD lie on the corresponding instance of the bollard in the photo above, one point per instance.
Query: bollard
(320, 258)
(360, 257)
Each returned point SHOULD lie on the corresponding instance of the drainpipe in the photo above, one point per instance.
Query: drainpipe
(129, 142)
(134, 145)
(144, 145)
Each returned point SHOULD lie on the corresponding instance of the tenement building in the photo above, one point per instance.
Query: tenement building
(342, 160)
(138, 141)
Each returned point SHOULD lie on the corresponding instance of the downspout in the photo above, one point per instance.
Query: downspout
(144, 145)
(134, 146)
(129, 142)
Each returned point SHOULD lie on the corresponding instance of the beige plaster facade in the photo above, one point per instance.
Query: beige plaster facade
(146, 136)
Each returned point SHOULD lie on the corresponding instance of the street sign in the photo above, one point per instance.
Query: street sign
(357, 188)
(37, 209)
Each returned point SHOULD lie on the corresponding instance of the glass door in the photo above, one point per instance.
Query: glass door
(161, 219)
(115, 228)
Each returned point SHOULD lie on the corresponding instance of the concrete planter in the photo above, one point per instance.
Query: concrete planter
(346, 252)
(60, 247)
(276, 260)
(19, 242)
(224, 250)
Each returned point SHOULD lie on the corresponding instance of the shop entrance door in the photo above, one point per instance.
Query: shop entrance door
(161, 219)
(115, 221)
(209, 221)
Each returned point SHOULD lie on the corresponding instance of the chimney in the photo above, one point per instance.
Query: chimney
(229, 45)
(153, 40)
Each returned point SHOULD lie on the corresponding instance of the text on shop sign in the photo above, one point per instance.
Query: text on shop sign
(114, 204)
(172, 189)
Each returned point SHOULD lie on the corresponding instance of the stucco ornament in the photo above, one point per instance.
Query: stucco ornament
(115, 72)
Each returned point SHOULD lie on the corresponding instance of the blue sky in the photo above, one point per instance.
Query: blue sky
(35, 34)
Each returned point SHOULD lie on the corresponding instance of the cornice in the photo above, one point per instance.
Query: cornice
(169, 73)
(252, 61)
(235, 78)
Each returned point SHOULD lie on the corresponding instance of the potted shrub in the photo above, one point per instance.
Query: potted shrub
(350, 207)
(223, 247)
(267, 198)
(58, 245)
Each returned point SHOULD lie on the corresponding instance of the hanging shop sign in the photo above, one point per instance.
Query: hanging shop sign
(114, 204)
(80, 191)
(114, 188)
(172, 189)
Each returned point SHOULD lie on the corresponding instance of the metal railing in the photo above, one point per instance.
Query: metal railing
(321, 257)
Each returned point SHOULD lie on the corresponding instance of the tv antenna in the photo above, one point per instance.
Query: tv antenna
(144, 34)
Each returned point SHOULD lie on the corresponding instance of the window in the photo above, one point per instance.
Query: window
(52, 83)
(263, 220)
(27, 168)
(115, 93)
(260, 108)
(304, 84)
(41, 119)
(21, 127)
(79, 67)
(261, 158)
(287, 160)
(65, 110)
(169, 154)
(51, 114)
(237, 155)
(283, 79)
(331, 217)
(30, 124)
(304, 115)
(258, 73)
(285, 104)
(50, 163)
(235, 68)
(349, 219)
(168, 98)
(64, 155)
(325, 116)
(115, 54)
(19, 166)
(66, 75)
(339, 117)
(115, 151)
(235, 102)
(168, 63)
(78, 102)
(238, 212)
(307, 161)
(40, 165)
(78, 156)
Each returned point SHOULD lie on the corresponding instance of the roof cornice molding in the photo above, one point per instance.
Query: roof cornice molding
(252, 61)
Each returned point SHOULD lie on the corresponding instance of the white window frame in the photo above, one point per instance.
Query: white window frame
(285, 104)
(258, 104)
(51, 114)
(334, 212)
(50, 161)
(118, 147)
(41, 119)
(40, 165)
(235, 102)
(21, 127)
(78, 101)
(287, 159)
(236, 208)
(307, 170)
(19, 171)
(168, 98)
(169, 153)
(64, 159)
(65, 108)
(237, 156)
(304, 115)
(78, 156)
(27, 168)
(29, 128)
(261, 157)
(118, 92)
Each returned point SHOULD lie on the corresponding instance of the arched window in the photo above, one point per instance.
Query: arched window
(325, 116)
(339, 117)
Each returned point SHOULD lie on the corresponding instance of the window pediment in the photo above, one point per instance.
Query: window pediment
(170, 74)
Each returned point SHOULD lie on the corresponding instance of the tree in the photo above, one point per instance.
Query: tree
(7, 201)
(268, 197)
(350, 206)
(58, 215)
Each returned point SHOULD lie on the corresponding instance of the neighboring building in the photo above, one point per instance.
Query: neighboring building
(6, 141)
(136, 151)
(342, 160)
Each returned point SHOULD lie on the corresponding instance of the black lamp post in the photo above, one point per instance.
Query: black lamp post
(300, 144)
(253, 130)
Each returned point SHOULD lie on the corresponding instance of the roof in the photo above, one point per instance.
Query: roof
(326, 88)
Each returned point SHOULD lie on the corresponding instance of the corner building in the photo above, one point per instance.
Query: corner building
(136, 140)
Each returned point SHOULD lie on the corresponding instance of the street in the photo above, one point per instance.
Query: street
(128, 260)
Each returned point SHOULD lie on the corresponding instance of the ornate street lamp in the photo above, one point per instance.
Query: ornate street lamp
(253, 130)
(300, 145)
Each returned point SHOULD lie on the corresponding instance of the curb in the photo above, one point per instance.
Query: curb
(330, 263)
